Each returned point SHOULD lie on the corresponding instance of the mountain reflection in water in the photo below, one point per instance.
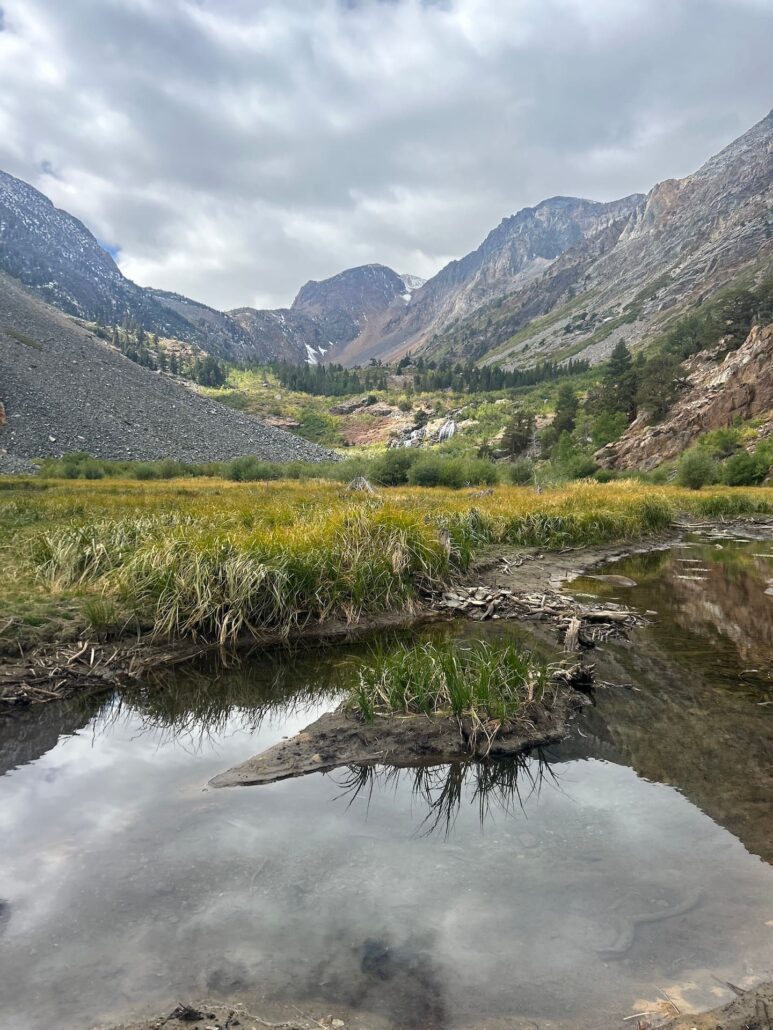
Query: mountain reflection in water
(464, 895)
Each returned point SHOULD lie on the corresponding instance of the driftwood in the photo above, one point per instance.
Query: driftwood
(582, 624)
(361, 483)
(572, 638)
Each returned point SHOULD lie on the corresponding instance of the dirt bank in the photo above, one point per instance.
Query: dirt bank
(752, 1010)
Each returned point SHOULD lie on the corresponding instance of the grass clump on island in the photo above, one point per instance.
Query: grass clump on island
(490, 684)
(213, 559)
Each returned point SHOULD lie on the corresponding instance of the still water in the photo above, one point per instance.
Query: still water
(459, 897)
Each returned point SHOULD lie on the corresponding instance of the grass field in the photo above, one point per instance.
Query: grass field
(214, 559)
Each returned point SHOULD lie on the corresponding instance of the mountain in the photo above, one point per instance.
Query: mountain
(621, 278)
(63, 389)
(566, 277)
(353, 307)
(516, 252)
(54, 254)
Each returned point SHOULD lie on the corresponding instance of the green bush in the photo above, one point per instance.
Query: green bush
(745, 469)
(696, 468)
(392, 467)
(92, 470)
(521, 472)
(434, 470)
(249, 469)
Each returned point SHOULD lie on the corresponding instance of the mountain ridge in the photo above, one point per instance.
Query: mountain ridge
(550, 281)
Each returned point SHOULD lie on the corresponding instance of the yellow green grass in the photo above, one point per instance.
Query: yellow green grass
(489, 684)
(214, 559)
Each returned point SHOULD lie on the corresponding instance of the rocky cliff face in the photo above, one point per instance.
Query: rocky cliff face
(685, 240)
(515, 253)
(740, 387)
(352, 306)
(55, 255)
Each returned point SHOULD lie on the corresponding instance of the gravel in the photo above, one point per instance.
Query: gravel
(66, 390)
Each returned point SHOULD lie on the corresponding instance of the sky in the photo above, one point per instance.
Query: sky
(231, 150)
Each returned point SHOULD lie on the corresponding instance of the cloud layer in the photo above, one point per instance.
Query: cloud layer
(232, 149)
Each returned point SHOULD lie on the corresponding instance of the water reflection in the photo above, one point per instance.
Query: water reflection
(441, 897)
(697, 714)
(492, 787)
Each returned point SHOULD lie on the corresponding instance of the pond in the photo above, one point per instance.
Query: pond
(628, 866)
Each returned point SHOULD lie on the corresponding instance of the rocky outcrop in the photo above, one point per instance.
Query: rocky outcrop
(717, 395)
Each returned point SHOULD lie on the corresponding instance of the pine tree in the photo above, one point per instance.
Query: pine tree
(566, 409)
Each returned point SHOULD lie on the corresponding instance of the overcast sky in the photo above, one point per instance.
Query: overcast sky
(233, 149)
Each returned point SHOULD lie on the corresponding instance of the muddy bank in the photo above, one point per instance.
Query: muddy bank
(57, 672)
(206, 1015)
(751, 1010)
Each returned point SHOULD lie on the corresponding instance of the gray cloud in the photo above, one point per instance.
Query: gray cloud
(233, 149)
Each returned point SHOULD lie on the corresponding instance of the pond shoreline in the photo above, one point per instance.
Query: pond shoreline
(55, 671)
(750, 1010)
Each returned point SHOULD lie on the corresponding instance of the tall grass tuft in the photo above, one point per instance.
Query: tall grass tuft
(489, 686)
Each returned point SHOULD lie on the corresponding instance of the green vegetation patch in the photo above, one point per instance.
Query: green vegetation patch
(489, 685)
(23, 338)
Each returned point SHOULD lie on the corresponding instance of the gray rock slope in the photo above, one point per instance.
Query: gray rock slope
(66, 390)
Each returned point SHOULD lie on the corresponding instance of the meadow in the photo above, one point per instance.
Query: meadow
(214, 559)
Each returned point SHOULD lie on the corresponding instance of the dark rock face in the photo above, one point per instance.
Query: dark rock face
(284, 334)
(741, 387)
(65, 390)
(344, 304)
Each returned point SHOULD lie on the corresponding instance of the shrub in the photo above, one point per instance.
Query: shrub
(391, 469)
(521, 472)
(249, 469)
(696, 468)
(744, 469)
(435, 470)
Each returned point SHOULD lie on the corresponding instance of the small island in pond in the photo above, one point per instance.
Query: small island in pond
(430, 704)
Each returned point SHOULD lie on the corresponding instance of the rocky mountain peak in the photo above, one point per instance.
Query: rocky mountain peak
(359, 291)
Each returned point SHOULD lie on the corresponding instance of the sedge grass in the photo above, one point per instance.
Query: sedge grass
(490, 686)
(217, 559)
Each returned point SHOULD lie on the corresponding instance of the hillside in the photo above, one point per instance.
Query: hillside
(65, 390)
(683, 241)
(718, 395)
